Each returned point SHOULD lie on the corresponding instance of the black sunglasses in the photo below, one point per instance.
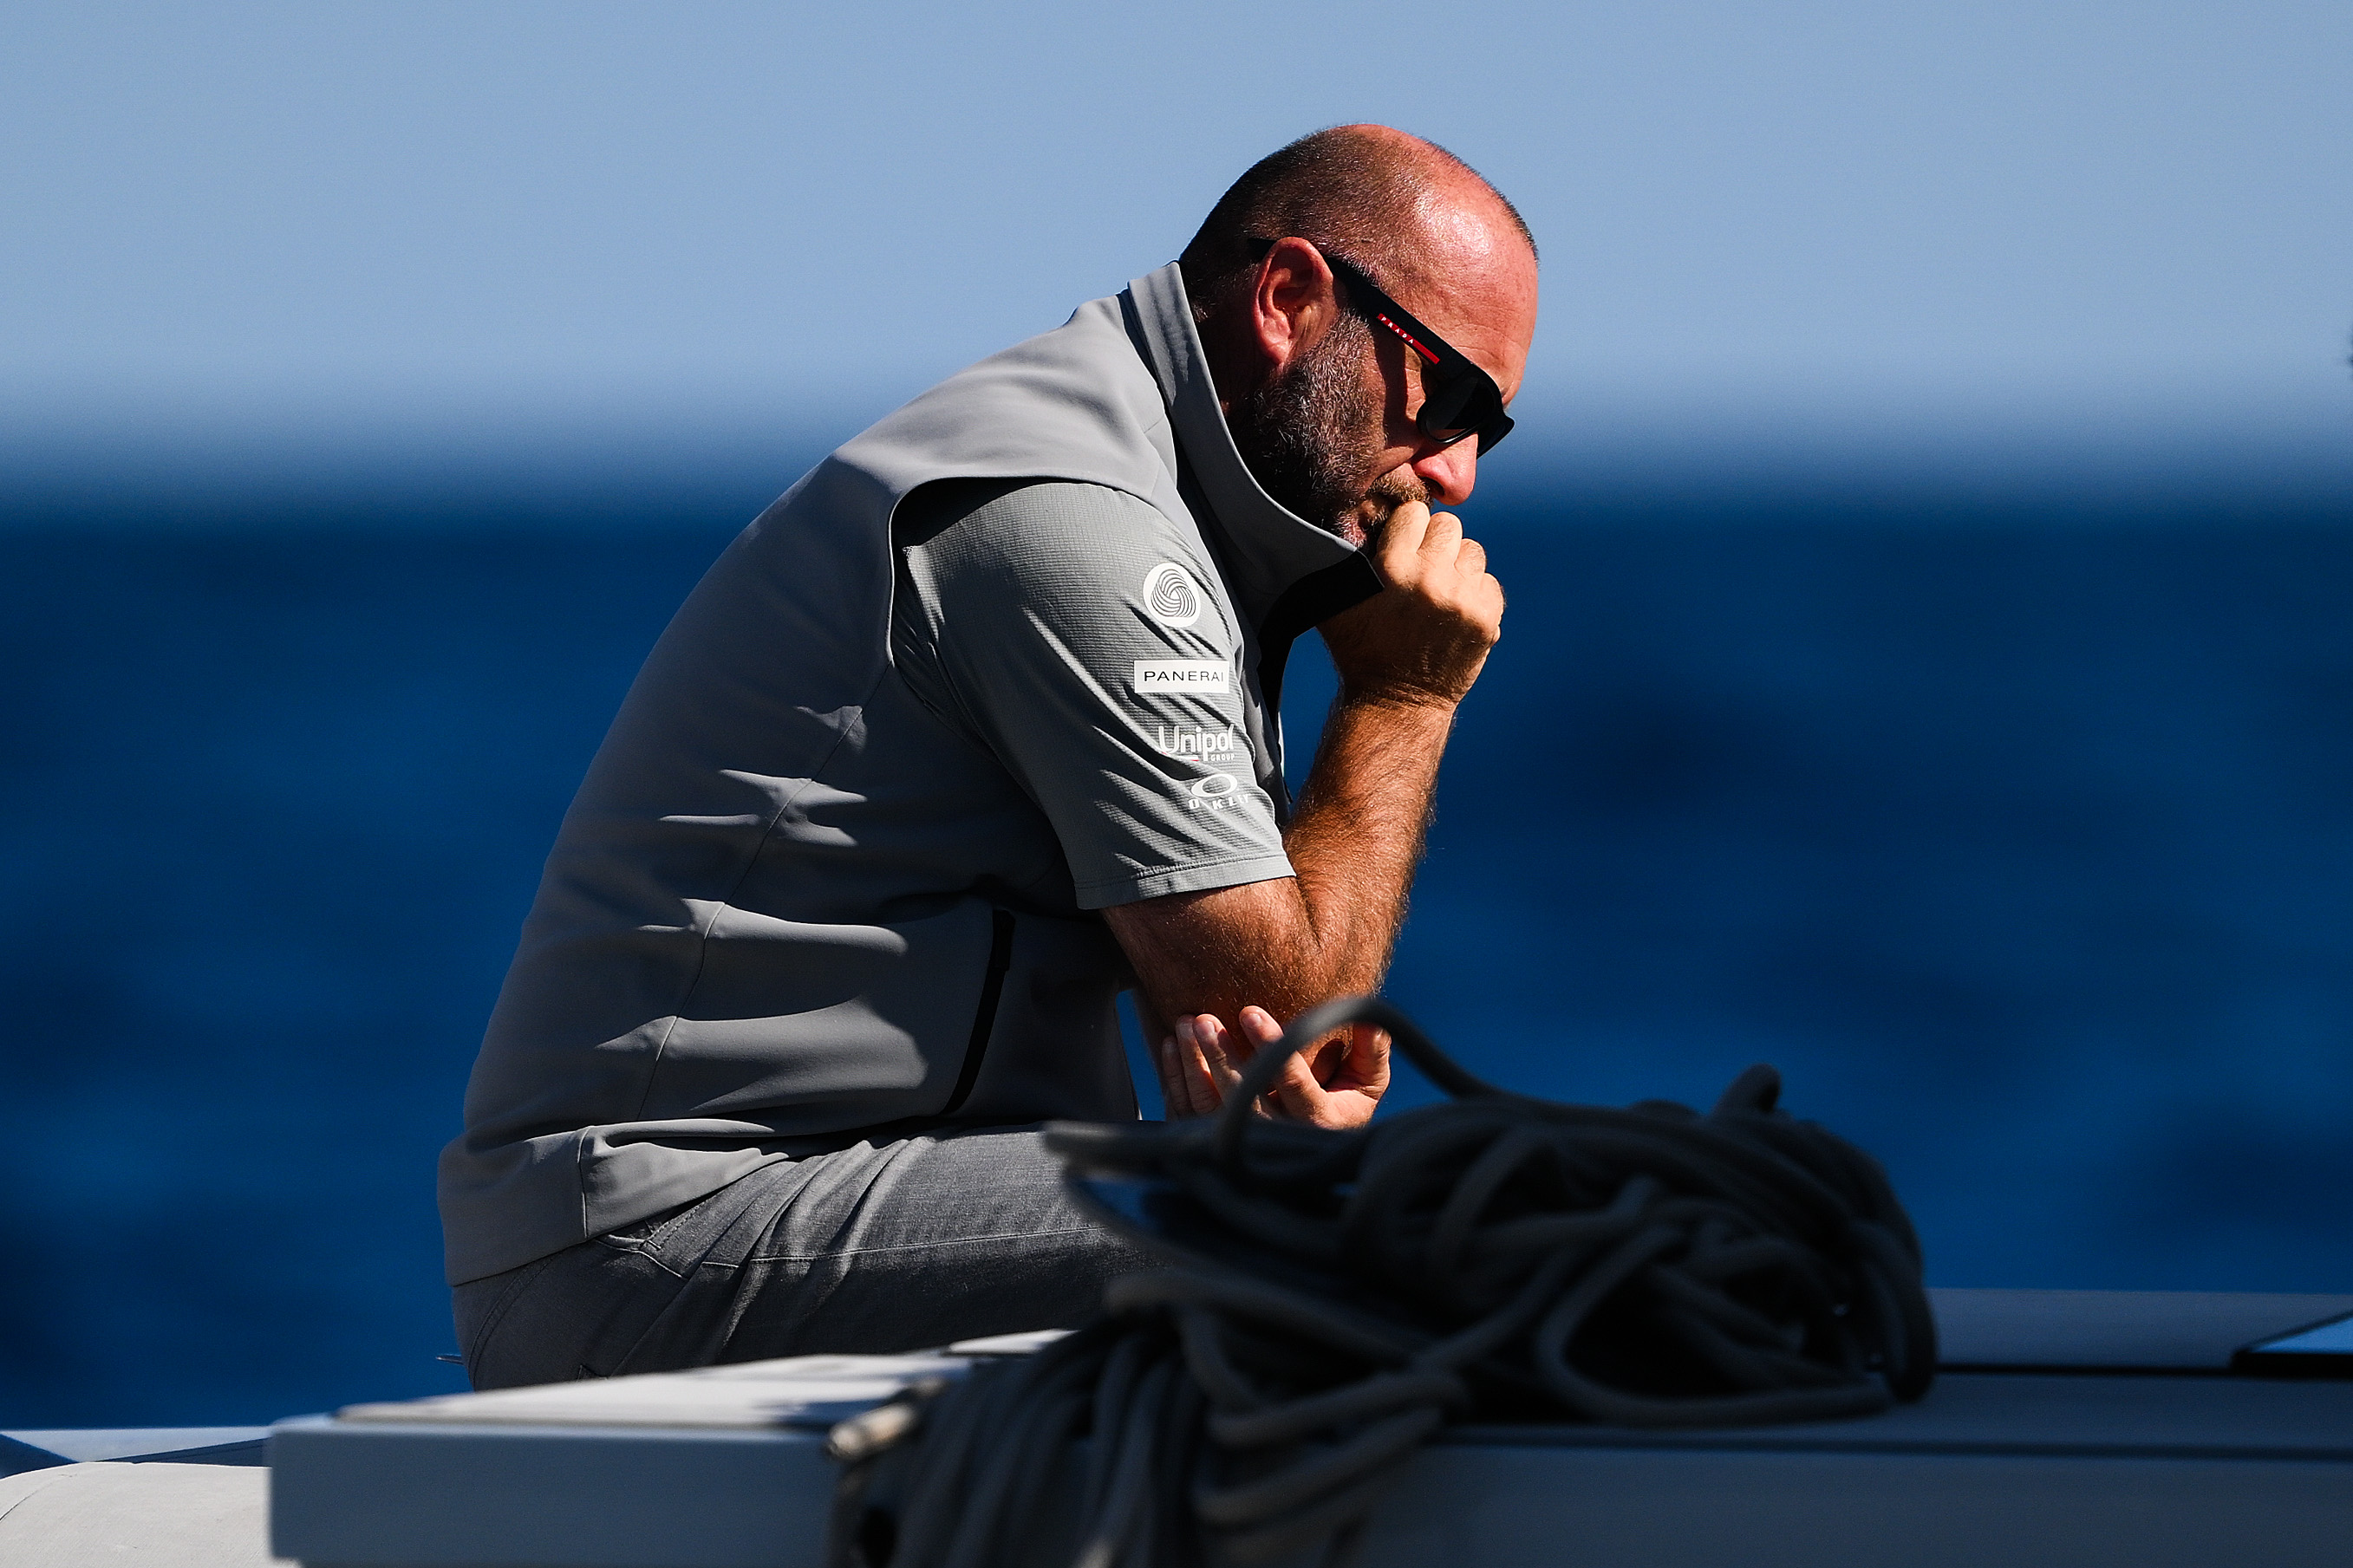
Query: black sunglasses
(1459, 399)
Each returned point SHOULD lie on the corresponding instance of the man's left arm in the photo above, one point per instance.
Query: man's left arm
(1405, 659)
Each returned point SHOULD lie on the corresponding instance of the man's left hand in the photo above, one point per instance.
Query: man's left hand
(1336, 1085)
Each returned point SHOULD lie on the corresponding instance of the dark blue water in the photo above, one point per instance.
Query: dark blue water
(2021, 838)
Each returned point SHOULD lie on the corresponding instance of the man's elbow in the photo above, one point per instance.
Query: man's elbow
(1217, 951)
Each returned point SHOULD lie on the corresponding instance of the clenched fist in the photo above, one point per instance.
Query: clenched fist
(1425, 636)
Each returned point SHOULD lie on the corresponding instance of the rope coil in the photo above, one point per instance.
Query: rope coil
(1333, 1298)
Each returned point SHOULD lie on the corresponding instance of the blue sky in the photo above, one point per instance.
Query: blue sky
(1843, 224)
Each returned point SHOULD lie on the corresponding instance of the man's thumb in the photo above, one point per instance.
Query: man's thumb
(1398, 536)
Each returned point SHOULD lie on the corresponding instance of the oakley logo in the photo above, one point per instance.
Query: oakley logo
(1212, 794)
(1171, 597)
(1158, 677)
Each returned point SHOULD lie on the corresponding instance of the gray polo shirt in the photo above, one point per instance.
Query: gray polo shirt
(1067, 630)
(1008, 658)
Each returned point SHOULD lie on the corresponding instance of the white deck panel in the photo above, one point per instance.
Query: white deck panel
(724, 1467)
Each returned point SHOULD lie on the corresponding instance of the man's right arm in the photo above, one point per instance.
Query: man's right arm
(1406, 657)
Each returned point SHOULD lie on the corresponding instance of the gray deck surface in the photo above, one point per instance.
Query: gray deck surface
(2069, 1428)
(39, 1448)
(152, 1515)
(2098, 1426)
(2116, 1331)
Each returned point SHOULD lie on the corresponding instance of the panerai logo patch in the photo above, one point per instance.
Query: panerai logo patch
(1159, 676)
(1171, 597)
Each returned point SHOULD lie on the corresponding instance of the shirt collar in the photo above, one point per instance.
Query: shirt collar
(1285, 573)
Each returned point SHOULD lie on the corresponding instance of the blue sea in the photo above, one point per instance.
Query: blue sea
(2018, 833)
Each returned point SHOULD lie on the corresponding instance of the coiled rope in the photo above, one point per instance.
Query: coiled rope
(1333, 1298)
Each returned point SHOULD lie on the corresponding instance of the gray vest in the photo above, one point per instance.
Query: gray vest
(718, 971)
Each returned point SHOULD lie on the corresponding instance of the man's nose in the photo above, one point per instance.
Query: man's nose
(1450, 471)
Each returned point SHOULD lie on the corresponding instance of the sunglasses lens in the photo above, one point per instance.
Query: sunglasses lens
(1463, 406)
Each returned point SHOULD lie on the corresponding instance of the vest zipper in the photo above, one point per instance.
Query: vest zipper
(1000, 959)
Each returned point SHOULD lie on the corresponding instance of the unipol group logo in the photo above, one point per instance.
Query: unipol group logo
(1212, 794)
(1171, 742)
(1171, 597)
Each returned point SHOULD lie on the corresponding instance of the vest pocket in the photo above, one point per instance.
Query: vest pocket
(983, 1018)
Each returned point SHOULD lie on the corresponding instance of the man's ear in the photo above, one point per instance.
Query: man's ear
(1291, 303)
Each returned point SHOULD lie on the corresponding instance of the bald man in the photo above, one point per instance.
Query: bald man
(973, 730)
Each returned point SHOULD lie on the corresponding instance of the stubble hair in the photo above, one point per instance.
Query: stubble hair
(1307, 432)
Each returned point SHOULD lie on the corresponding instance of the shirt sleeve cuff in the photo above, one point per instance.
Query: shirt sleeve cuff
(1198, 878)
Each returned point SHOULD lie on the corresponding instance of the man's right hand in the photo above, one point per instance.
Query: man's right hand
(1424, 638)
(1337, 1085)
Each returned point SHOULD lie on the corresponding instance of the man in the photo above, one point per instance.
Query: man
(972, 729)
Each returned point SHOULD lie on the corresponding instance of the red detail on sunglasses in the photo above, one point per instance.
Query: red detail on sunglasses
(1412, 341)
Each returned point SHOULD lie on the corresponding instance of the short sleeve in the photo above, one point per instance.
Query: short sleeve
(1076, 632)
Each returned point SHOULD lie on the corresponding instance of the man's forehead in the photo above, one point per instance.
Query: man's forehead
(1472, 274)
(1482, 301)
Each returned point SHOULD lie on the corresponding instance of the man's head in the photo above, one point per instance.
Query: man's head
(1322, 399)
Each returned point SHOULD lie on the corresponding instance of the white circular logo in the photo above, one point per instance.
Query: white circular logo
(1171, 597)
(1215, 785)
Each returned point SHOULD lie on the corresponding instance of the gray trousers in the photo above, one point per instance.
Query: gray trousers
(873, 1248)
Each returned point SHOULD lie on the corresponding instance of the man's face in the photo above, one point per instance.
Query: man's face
(1331, 433)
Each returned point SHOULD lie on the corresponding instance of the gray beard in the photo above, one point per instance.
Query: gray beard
(1309, 435)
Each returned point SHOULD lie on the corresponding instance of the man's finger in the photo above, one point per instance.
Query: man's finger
(1401, 535)
(1259, 1029)
(1439, 540)
(1258, 1026)
(1367, 1068)
(1297, 1092)
(1175, 1089)
(1221, 1060)
(1201, 1096)
(1209, 1034)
